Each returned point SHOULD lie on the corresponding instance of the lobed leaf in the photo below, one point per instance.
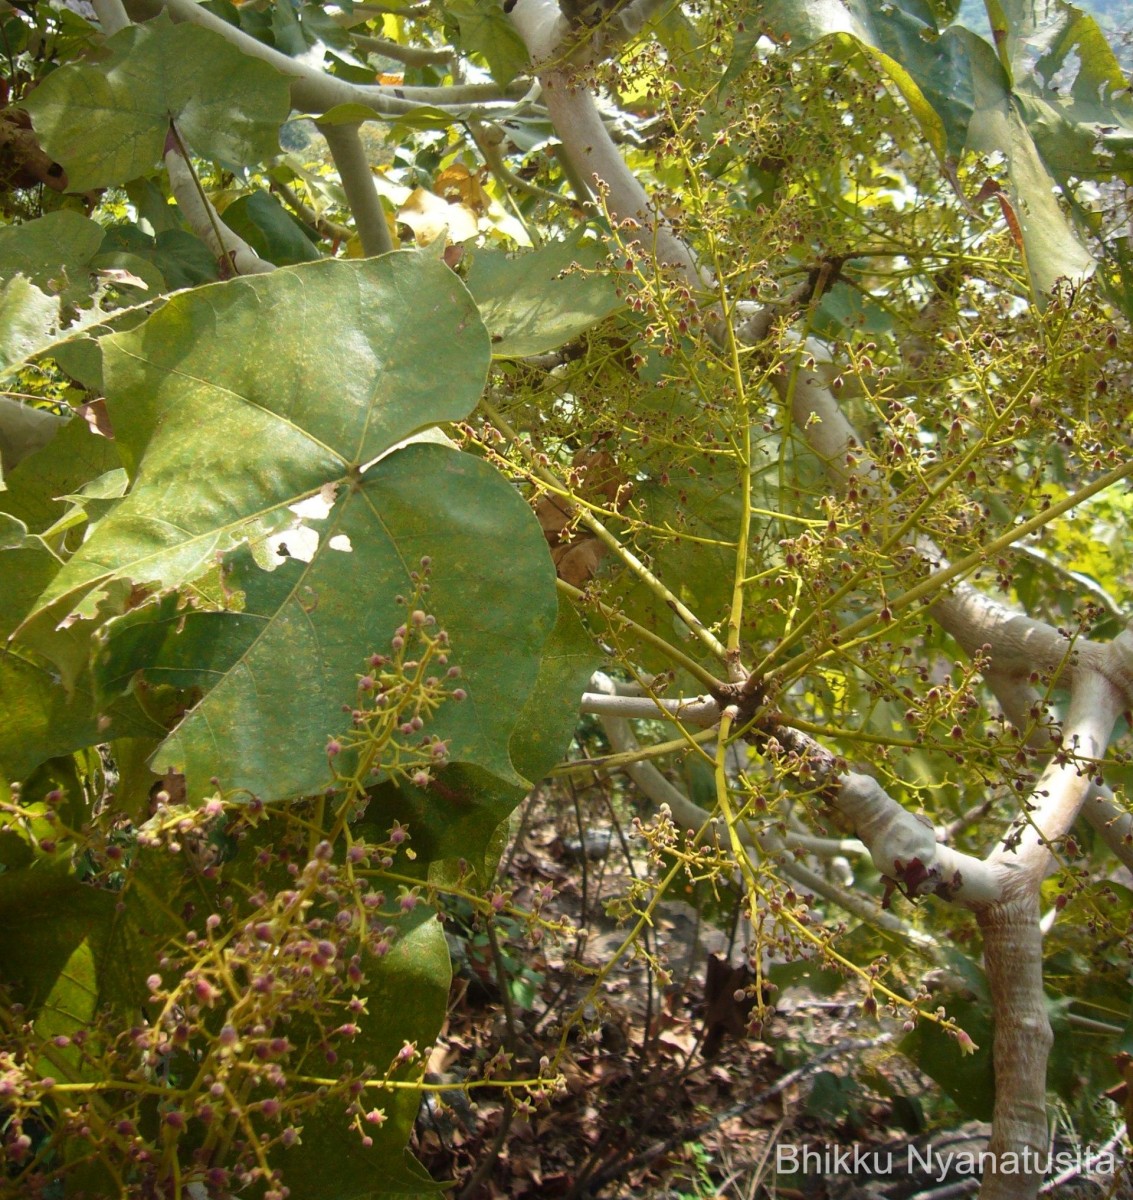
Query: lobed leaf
(315, 526)
(240, 399)
(279, 696)
(107, 122)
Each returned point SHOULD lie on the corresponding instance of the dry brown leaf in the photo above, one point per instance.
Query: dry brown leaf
(600, 475)
(554, 516)
(578, 562)
(725, 1014)
(97, 418)
(457, 185)
(576, 1079)
(23, 163)
(596, 475)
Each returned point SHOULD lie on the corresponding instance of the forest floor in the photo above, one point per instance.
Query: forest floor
(668, 1094)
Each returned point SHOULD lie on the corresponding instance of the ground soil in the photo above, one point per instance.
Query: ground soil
(644, 1110)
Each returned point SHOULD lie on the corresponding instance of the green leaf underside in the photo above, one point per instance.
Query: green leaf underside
(226, 420)
(534, 303)
(108, 122)
(225, 414)
(316, 623)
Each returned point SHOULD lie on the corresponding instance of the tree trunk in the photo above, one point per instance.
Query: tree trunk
(1013, 960)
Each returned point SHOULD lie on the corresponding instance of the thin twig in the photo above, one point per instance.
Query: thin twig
(323, 226)
(1089, 1164)
(411, 56)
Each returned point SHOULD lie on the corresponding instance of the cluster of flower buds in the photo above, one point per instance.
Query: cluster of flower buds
(256, 1012)
(255, 990)
(398, 693)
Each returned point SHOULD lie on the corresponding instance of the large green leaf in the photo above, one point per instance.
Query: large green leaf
(27, 566)
(107, 122)
(1085, 130)
(69, 948)
(54, 252)
(1051, 247)
(1054, 28)
(485, 29)
(904, 40)
(313, 373)
(52, 930)
(454, 821)
(961, 95)
(28, 320)
(239, 399)
(1082, 138)
(547, 723)
(968, 1078)
(40, 719)
(535, 302)
(311, 625)
(72, 458)
(270, 230)
(193, 649)
(23, 429)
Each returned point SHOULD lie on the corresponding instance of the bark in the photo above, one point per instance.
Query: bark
(358, 184)
(233, 254)
(1013, 962)
(314, 91)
